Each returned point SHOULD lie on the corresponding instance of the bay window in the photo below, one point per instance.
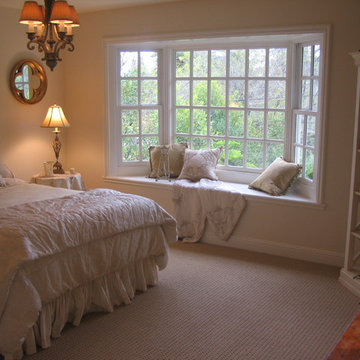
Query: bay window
(259, 97)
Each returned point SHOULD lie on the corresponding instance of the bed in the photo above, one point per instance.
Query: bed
(64, 253)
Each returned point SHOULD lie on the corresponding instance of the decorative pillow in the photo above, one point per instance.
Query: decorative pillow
(277, 177)
(176, 159)
(199, 164)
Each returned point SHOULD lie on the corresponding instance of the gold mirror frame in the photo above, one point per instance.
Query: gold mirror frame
(28, 81)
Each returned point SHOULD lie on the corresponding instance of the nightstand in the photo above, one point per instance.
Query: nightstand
(67, 181)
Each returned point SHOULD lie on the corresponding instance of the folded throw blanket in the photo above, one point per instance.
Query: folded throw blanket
(206, 202)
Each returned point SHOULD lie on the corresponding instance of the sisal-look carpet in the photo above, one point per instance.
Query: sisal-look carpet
(215, 303)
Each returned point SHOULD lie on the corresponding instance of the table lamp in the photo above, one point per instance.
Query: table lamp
(56, 119)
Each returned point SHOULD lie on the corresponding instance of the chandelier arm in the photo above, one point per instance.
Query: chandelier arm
(40, 45)
(64, 44)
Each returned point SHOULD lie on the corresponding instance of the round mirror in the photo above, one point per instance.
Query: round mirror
(28, 81)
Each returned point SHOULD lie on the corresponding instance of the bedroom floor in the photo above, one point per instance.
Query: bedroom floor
(216, 303)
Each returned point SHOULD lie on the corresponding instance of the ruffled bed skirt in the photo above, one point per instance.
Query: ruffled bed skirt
(101, 294)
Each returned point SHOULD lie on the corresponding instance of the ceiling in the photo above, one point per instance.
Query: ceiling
(89, 5)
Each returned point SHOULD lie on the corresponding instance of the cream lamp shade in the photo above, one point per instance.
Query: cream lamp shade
(55, 118)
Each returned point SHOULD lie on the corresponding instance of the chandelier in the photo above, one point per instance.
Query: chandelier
(50, 28)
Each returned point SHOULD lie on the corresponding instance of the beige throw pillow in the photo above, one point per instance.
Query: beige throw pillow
(277, 177)
(199, 164)
(176, 159)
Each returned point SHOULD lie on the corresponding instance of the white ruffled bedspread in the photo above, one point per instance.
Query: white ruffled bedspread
(63, 257)
(206, 202)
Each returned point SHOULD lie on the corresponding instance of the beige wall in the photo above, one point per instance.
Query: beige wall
(23, 144)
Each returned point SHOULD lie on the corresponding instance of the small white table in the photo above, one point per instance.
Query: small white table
(67, 181)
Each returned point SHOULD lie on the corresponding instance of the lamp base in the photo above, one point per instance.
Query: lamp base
(57, 168)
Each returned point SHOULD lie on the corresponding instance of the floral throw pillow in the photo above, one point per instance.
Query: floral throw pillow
(277, 177)
(199, 164)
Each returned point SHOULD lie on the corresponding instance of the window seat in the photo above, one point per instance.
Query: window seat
(291, 198)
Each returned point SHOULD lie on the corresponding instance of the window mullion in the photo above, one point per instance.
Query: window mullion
(266, 106)
(209, 80)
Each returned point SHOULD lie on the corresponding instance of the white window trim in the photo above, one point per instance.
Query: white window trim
(303, 188)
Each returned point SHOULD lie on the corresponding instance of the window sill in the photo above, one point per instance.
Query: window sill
(289, 199)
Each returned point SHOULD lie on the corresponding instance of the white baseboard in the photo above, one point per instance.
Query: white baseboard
(347, 279)
(279, 249)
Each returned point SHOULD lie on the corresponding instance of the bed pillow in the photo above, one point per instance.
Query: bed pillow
(5, 172)
(2, 182)
(199, 164)
(277, 177)
(176, 159)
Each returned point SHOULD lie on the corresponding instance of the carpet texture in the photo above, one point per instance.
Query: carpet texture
(215, 303)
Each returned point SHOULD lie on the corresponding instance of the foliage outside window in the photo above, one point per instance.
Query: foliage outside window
(235, 98)
(138, 101)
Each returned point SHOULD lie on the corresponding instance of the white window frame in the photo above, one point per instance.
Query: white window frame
(311, 190)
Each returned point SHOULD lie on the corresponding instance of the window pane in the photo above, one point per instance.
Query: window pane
(218, 63)
(217, 122)
(306, 63)
(200, 63)
(199, 144)
(237, 63)
(218, 93)
(257, 62)
(183, 121)
(26, 73)
(255, 124)
(310, 131)
(183, 63)
(315, 95)
(236, 123)
(129, 92)
(149, 93)
(130, 148)
(183, 139)
(129, 63)
(254, 154)
(147, 141)
(199, 122)
(298, 155)
(309, 164)
(256, 95)
(215, 143)
(317, 60)
(276, 94)
(200, 92)
(237, 93)
(182, 92)
(275, 125)
(299, 129)
(130, 122)
(149, 63)
(305, 94)
(273, 150)
(150, 121)
(277, 62)
(27, 91)
(236, 153)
